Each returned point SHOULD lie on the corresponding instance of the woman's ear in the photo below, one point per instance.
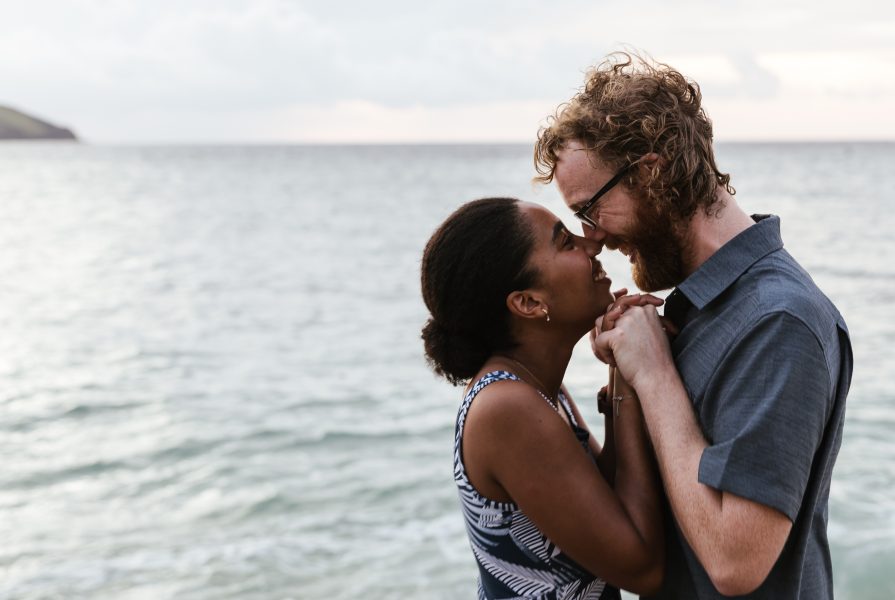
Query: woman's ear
(526, 305)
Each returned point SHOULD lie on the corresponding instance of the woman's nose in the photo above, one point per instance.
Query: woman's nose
(593, 245)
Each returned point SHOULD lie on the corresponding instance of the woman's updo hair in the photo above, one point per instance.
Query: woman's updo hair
(471, 263)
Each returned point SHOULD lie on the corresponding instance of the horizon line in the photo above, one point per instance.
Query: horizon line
(388, 143)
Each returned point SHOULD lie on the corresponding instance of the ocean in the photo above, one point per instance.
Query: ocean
(213, 384)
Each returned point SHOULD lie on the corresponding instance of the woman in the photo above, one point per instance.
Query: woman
(548, 512)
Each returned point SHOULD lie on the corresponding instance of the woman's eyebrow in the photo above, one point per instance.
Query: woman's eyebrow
(557, 229)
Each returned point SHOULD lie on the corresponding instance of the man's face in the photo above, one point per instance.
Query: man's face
(624, 222)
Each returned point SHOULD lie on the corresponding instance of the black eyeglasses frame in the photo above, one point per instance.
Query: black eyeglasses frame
(582, 213)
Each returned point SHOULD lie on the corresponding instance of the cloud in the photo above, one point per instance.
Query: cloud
(731, 75)
(370, 123)
(112, 68)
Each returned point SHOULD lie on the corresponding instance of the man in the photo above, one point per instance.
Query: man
(745, 405)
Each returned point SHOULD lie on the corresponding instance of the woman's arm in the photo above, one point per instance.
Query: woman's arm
(515, 441)
(604, 406)
(637, 481)
(605, 455)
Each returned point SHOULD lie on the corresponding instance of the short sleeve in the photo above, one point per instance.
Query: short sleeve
(770, 400)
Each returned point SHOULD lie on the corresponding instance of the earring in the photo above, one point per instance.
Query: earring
(544, 310)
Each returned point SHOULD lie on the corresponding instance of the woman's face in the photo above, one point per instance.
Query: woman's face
(571, 279)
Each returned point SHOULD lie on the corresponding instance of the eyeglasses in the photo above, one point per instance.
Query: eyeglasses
(582, 213)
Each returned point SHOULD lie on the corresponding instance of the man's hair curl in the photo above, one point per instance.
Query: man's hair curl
(631, 106)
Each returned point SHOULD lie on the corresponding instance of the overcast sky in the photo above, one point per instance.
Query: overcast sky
(417, 71)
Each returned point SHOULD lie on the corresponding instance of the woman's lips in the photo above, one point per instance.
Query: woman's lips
(596, 270)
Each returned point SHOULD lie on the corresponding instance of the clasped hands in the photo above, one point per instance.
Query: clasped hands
(631, 335)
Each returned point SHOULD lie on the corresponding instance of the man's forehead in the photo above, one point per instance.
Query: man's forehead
(577, 177)
(576, 154)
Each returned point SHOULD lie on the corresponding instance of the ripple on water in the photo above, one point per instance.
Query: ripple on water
(208, 392)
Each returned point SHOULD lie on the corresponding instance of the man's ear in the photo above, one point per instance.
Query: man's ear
(650, 162)
(526, 304)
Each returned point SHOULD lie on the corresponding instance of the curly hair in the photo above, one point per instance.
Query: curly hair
(470, 264)
(631, 106)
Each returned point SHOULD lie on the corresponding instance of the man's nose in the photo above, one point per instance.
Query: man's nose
(591, 244)
(594, 234)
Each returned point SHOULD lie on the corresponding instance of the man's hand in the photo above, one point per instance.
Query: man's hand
(637, 343)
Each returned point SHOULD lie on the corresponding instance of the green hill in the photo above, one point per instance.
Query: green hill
(15, 125)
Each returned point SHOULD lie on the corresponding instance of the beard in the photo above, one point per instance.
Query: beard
(658, 264)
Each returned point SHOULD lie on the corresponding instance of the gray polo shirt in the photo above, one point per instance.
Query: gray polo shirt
(766, 361)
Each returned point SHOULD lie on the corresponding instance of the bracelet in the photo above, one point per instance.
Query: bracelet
(616, 400)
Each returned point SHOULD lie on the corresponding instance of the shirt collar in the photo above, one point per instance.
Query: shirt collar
(732, 260)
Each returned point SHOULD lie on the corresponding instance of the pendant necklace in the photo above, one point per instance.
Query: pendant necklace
(540, 386)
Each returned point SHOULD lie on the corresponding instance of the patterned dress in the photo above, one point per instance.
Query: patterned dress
(516, 560)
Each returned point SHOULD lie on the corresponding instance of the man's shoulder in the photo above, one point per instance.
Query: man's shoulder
(778, 284)
(772, 305)
(778, 288)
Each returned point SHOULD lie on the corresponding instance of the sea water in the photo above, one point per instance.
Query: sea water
(213, 383)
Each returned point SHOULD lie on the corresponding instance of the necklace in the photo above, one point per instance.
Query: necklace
(539, 387)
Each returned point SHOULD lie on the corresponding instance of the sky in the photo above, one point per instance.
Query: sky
(408, 71)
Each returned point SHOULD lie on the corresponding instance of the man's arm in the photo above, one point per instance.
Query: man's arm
(737, 540)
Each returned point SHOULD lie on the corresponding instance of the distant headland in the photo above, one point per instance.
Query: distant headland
(16, 125)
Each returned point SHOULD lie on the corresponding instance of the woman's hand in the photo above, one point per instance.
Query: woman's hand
(616, 309)
(622, 302)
